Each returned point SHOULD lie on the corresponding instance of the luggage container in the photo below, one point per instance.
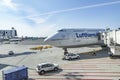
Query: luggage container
(18, 73)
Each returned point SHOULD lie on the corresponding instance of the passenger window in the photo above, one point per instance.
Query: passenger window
(49, 65)
(73, 54)
(44, 66)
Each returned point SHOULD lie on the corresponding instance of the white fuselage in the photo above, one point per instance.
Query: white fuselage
(66, 38)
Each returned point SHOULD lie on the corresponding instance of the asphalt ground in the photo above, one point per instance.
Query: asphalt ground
(88, 67)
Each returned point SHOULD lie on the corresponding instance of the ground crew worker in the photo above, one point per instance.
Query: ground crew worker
(94, 53)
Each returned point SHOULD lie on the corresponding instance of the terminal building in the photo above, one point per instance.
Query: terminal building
(8, 34)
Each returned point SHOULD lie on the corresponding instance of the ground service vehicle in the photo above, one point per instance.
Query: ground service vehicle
(71, 56)
(44, 67)
(18, 73)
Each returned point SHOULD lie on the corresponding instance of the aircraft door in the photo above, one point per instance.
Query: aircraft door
(99, 36)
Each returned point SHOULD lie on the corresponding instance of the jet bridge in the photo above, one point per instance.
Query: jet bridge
(112, 40)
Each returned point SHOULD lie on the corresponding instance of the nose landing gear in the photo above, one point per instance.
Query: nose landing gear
(65, 51)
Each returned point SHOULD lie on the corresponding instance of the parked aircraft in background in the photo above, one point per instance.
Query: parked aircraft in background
(71, 38)
(15, 39)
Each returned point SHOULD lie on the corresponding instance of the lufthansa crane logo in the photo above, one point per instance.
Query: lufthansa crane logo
(85, 35)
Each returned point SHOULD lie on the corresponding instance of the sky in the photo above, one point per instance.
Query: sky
(40, 18)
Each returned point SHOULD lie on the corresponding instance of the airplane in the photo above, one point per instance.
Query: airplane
(71, 38)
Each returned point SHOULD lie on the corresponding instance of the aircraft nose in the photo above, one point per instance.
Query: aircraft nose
(47, 40)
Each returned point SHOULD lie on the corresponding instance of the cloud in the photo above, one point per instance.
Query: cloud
(18, 21)
(42, 18)
(46, 30)
(37, 19)
(80, 8)
(10, 4)
(24, 29)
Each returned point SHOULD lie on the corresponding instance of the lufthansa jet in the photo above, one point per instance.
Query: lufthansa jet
(71, 38)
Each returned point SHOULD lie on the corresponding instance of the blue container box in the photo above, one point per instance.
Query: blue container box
(18, 73)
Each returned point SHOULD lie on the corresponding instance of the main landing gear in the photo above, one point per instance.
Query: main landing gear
(65, 51)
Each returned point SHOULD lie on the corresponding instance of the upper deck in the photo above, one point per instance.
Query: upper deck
(81, 30)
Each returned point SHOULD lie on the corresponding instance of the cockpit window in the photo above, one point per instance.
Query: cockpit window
(62, 30)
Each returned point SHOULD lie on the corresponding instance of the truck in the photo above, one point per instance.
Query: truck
(17, 73)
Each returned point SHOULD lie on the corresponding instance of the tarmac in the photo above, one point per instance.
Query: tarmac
(88, 67)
